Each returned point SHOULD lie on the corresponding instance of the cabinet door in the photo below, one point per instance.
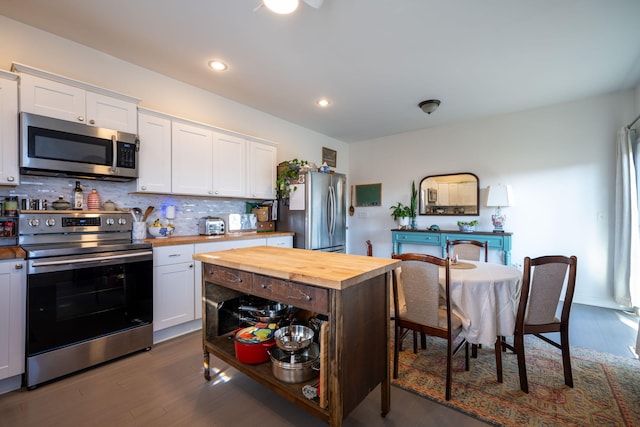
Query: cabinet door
(52, 99)
(229, 165)
(191, 159)
(9, 174)
(282, 241)
(111, 113)
(262, 170)
(173, 295)
(155, 154)
(13, 285)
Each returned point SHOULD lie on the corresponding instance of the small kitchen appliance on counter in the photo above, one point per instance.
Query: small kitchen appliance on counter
(241, 223)
(210, 226)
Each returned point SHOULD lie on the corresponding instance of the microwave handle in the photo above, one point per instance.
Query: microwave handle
(114, 141)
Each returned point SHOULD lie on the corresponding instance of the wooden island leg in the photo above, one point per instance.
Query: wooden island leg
(207, 370)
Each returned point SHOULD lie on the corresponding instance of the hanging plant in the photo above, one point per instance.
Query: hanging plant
(288, 171)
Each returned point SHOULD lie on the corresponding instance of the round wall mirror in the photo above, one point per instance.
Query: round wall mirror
(452, 194)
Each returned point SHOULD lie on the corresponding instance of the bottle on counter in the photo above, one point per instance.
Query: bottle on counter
(77, 197)
(93, 200)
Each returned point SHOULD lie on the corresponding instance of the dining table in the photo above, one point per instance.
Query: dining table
(486, 296)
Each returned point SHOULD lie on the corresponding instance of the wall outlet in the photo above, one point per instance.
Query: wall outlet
(362, 214)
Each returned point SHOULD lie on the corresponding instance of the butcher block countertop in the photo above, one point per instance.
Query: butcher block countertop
(186, 240)
(11, 252)
(323, 269)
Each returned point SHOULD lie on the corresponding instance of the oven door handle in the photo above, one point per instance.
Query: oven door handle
(81, 260)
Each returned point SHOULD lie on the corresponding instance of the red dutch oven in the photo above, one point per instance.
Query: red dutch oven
(252, 343)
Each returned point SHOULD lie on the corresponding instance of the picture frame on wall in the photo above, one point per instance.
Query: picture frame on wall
(329, 157)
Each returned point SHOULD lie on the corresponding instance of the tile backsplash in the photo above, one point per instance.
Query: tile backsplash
(188, 208)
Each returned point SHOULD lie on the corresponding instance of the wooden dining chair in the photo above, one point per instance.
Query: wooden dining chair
(471, 250)
(418, 307)
(369, 248)
(543, 280)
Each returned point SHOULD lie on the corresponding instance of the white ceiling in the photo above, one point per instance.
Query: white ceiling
(375, 59)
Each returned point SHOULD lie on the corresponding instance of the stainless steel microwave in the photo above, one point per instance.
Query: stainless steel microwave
(54, 147)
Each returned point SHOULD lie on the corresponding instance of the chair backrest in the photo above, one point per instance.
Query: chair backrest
(416, 287)
(542, 282)
(369, 248)
(472, 250)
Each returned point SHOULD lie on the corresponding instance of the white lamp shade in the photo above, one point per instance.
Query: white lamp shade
(499, 196)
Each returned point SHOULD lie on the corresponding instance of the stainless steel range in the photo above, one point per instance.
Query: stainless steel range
(89, 291)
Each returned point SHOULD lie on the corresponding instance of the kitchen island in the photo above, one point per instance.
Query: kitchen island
(351, 290)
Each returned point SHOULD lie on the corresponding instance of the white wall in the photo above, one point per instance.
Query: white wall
(27, 45)
(560, 161)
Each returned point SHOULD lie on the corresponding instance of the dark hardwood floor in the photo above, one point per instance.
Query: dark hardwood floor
(165, 387)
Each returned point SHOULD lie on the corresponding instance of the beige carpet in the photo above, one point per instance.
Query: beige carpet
(606, 387)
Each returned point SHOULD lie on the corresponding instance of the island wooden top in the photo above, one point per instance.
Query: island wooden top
(323, 269)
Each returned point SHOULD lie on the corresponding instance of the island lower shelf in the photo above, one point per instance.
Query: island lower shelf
(223, 348)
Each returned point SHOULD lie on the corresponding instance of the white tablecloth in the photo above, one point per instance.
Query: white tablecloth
(486, 297)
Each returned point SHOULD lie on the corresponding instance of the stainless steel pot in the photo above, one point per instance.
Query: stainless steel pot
(295, 367)
(270, 313)
(294, 337)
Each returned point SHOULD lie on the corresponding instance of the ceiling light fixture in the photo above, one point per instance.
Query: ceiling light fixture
(323, 102)
(429, 106)
(217, 65)
(283, 7)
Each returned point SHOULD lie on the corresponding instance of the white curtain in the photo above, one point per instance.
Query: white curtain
(626, 259)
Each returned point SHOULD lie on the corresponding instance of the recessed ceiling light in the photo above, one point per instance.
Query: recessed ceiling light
(323, 102)
(282, 7)
(217, 65)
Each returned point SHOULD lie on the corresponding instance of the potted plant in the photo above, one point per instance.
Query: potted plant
(414, 205)
(402, 214)
(467, 226)
(288, 171)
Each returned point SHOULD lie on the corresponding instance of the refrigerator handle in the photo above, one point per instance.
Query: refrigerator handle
(331, 211)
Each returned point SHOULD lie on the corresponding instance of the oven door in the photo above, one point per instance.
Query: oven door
(78, 298)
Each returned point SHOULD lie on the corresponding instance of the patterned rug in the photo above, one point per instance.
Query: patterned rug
(606, 387)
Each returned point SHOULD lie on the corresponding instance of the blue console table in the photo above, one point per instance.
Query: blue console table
(500, 241)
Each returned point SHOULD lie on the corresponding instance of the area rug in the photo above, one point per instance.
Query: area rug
(606, 387)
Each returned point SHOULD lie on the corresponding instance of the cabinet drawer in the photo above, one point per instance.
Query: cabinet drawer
(230, 278)
(286, 292)
(419, 238)
(174, 254)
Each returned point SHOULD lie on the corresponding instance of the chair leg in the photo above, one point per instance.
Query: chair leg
(518, 343)
(566, 356)
(447, 394)
(423, 340)
(466, 356)
(415, 342)
(396, 350)
(474, 351)
(498, 351)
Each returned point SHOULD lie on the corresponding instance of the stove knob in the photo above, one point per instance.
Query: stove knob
(50, 222)
(110, 221)
(34, 222)
(122, 221)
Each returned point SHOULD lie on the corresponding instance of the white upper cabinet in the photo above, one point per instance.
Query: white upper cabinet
(9, 164)
(262, 170)
(183, 157)
(50, 95)
(191, 159)
(229, 165)
(154, 172)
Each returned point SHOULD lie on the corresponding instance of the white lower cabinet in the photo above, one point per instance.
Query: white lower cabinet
(13, 285)
(282, 241)
(173, 286)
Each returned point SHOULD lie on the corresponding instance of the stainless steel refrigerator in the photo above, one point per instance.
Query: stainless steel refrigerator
(316, 212)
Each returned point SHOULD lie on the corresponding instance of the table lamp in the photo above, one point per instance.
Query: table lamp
(499, 196)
